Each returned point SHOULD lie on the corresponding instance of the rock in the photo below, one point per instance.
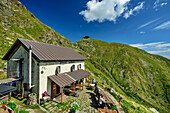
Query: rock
(150, 76)
(154, 110)
(144, 63)
(112, 90)
(122, 73)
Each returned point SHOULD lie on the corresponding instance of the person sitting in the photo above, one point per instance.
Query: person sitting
(102, 101)
(96, 84)
(93, 81)
(97, 93)
(103, 85)
(96, 90)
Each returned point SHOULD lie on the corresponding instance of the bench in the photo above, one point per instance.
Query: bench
(100, 110)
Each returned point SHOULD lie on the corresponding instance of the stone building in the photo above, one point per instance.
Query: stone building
(44, 67)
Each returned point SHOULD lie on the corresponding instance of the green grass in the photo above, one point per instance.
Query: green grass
(20, 111)
(108, 60)
(36, 106)
(22, 103)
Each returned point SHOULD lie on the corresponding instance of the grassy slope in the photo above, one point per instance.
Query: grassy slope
(134, 72)
(17, 22)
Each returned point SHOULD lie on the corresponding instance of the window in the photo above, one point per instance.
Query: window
(58, 70)
(72, 68)
(79, 66)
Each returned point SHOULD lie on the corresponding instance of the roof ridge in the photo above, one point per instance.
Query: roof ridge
(42, 43)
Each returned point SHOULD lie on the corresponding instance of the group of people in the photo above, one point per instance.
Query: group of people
(99, 95)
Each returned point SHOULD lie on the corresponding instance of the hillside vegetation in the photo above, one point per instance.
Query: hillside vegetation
(140, 75)
(141, 78)
(17, 22)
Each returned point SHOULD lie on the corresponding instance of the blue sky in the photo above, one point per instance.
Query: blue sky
(140, 23)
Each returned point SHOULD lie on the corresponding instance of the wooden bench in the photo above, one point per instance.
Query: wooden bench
(79, 86)
(100, 110)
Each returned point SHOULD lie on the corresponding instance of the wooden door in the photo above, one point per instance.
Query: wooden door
(53, 89)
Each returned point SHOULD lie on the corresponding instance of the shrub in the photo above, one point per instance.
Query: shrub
(12, 105)
(21, 111)
(36, 106)
(58, 105)
(5, 102)
(74, 107)
(113, 108)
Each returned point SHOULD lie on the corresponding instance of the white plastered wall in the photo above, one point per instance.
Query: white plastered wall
(47, 69)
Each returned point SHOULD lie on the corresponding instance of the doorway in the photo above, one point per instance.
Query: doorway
(55, 89)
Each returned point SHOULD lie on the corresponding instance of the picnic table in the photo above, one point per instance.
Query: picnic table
(67, 90)
(107, 97)
(100, 110)
(78, 84)
(92, 86)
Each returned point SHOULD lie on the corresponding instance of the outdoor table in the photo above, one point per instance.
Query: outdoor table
(78, 86)
(92, 85)
(71, 88)
(68, 90)
(106, 96)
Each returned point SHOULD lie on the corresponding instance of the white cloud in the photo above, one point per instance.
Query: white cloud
(161, 48)
(164, 45)
(136, 9)
(139, 45)
(162, 4)
(148, 23)
(106, 10)
(163, 51)
(142, 32)
(165, 25)
(154, 43)
(159, 3)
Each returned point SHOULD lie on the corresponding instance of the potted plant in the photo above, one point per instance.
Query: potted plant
(45, 93)
(74, 107)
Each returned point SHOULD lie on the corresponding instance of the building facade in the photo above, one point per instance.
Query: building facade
(35, 62)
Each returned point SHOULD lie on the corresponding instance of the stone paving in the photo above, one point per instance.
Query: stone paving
(86, 101)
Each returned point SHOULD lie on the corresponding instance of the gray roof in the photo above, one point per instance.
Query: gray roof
(78, 74)
(46, 52)
(67, 78)
(4, 89)
(61, 80)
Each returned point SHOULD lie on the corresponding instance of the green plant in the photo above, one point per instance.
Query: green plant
(74, 107)
(36, 106)
(59, 105)
(5, 102)
(12, 105)
(113, 108)
(20, 111)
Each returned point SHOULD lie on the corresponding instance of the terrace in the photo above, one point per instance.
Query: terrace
(86, 100)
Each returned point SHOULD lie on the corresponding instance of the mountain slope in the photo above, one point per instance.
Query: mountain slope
(140, 75)
(17, 22)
